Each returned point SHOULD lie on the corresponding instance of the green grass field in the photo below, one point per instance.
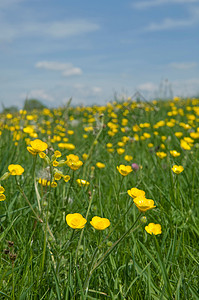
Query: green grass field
(45, 257)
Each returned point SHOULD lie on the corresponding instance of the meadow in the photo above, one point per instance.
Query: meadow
(100, 202)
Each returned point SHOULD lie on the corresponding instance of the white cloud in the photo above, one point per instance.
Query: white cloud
(168, 23)
(67, 69)
(57, 30)
(186, 88)
(183, 65)
(148, 87)
(154, 3)
(96, 89)
(37, 94)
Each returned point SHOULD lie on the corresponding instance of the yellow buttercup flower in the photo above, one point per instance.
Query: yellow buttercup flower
(128, 157)
(100, 165)
(84, 156)
(76, 221)
(161, 154)
(37, 146)
(100, 223)
(174, 153)
(57, 176)
(2, 190)
(57, 153)
(134, 192)
(124, 170)
(177, 169)
(66, 178)
(143, 204)
(15, 169)
(73, 162)
(82, 182)
(184, 145)
(67, 146)
(120, 151)
(2, 197)
(43, 181)
(153, 228)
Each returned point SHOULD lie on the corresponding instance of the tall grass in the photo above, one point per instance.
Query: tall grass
(50, 260)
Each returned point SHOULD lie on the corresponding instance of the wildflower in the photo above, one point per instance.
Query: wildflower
(57, 153)
(82, 182)
(2, 190)
(2, 197)
(55, 163)
(37, 146)
(184, 145)
(135, 166)
(84, 156)
(178, 134)
(42, 154)
(73, 162)
(100, 165)
(153, 228)
(161, 154)
(134, 192)
(177, 169)
(66, 178)
(76, 221)
(120, 151)
(70, 132)
(57, 176)
(150, 145)
(174, 153)
(43, 181)
(67, 146)
(109, 145)
(110, 150)
(143, 204)
(100, 223)
(128, 157)
(124, 170)
(15, 169)
(121, 144)
(52, 184)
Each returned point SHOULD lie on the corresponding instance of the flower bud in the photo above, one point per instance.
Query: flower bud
(143, 220)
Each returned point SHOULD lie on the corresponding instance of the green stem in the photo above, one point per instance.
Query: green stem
(22, 192)
(92, 147)
(69, 188)
(118, 194)
(13, 282)
(82, 232)
(107, 253)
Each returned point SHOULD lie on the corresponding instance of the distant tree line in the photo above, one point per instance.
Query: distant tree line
(29, 105)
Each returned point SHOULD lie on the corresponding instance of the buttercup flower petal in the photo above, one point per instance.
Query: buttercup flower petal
(134, 192)
(177, 169)
(15, 169)
(100, 223)
(153, 228)
(143, 204)
(124, 170)
(76, 221)
(38, 146)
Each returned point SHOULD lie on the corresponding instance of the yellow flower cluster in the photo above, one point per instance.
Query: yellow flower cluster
(2, 196)
(144, 204)
(77, 221)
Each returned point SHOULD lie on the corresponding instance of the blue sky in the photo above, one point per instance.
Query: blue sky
(90, 50)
